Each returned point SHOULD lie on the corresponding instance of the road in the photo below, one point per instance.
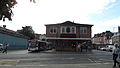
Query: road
(23, 59)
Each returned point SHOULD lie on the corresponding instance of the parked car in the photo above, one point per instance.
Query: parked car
(110, 47)
(103, 48)
(107, 48)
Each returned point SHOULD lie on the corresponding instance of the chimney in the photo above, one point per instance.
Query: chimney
(4, 26)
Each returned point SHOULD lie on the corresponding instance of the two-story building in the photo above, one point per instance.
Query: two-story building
(67, 35)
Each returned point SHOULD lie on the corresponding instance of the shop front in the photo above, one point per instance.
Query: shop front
(67, 44)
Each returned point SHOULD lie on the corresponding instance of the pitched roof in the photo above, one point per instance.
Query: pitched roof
(12, 33)
(69, 23)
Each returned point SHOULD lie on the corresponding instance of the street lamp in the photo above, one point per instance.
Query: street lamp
(114, 29)
(119, 34)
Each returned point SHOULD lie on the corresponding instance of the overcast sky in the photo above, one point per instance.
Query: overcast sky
(103, 14)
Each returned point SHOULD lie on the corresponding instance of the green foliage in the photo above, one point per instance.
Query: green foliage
(27, 31)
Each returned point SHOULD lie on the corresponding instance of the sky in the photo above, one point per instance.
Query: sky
(103, 14)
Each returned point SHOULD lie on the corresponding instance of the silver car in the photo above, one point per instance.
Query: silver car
(104, 49)
(110, 47)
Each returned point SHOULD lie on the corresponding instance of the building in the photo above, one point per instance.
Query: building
(14, 39)
(67, 35)
(41, 37)
(102, 38)
(116, 37)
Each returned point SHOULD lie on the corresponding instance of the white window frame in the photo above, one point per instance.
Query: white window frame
(65, 30)
(83, 30)
(54, 30)
(74, 32)
(61, 30)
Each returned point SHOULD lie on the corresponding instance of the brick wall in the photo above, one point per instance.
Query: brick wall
(78, 35)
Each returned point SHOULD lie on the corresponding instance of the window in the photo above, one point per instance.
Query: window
(63, 30)
(73, 29)
(83, 30)
(53, 30)
(68, 29)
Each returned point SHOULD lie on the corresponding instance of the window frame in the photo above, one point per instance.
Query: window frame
(65, 30)
(54, 30)
(83, 30)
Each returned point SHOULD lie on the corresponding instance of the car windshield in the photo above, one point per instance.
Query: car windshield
(32, 45)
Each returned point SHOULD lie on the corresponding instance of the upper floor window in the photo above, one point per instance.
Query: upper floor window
(68, 29)
(83, 30)
(73, 29)
(53, 30)
(63, 30)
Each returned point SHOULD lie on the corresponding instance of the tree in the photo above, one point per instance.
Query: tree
(6, 9)
(27, 31)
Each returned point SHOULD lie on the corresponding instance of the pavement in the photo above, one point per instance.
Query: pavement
(88, 65)
(13, 63)
(93, 65)
(53, 51)
(84, 65)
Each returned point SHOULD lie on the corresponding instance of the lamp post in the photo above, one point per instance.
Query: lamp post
(119, 35)
(116, 36)
(114, 29)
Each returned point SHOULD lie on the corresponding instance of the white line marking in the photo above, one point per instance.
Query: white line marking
(90, 60)
(42, 65)
(31, 65)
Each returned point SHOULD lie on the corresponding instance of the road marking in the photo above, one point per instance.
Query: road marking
(69, 58)
(43, 65)
(46, 59)
(6, 65)
(91, 60)
(106, 59)
(98, 61)
(82, 64)
(32, 65)
(8, 62)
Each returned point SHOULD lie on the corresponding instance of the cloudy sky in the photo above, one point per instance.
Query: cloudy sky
(103, 14)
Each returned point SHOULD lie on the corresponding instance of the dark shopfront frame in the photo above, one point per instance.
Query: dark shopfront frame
(66, 44)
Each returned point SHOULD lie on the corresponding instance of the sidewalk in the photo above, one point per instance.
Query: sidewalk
(14, 63)
(91, 65)
(15, 52)
(82, 65)
(66, 52)
(60, 66)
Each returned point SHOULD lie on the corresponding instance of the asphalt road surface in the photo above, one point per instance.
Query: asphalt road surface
(23, 59)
